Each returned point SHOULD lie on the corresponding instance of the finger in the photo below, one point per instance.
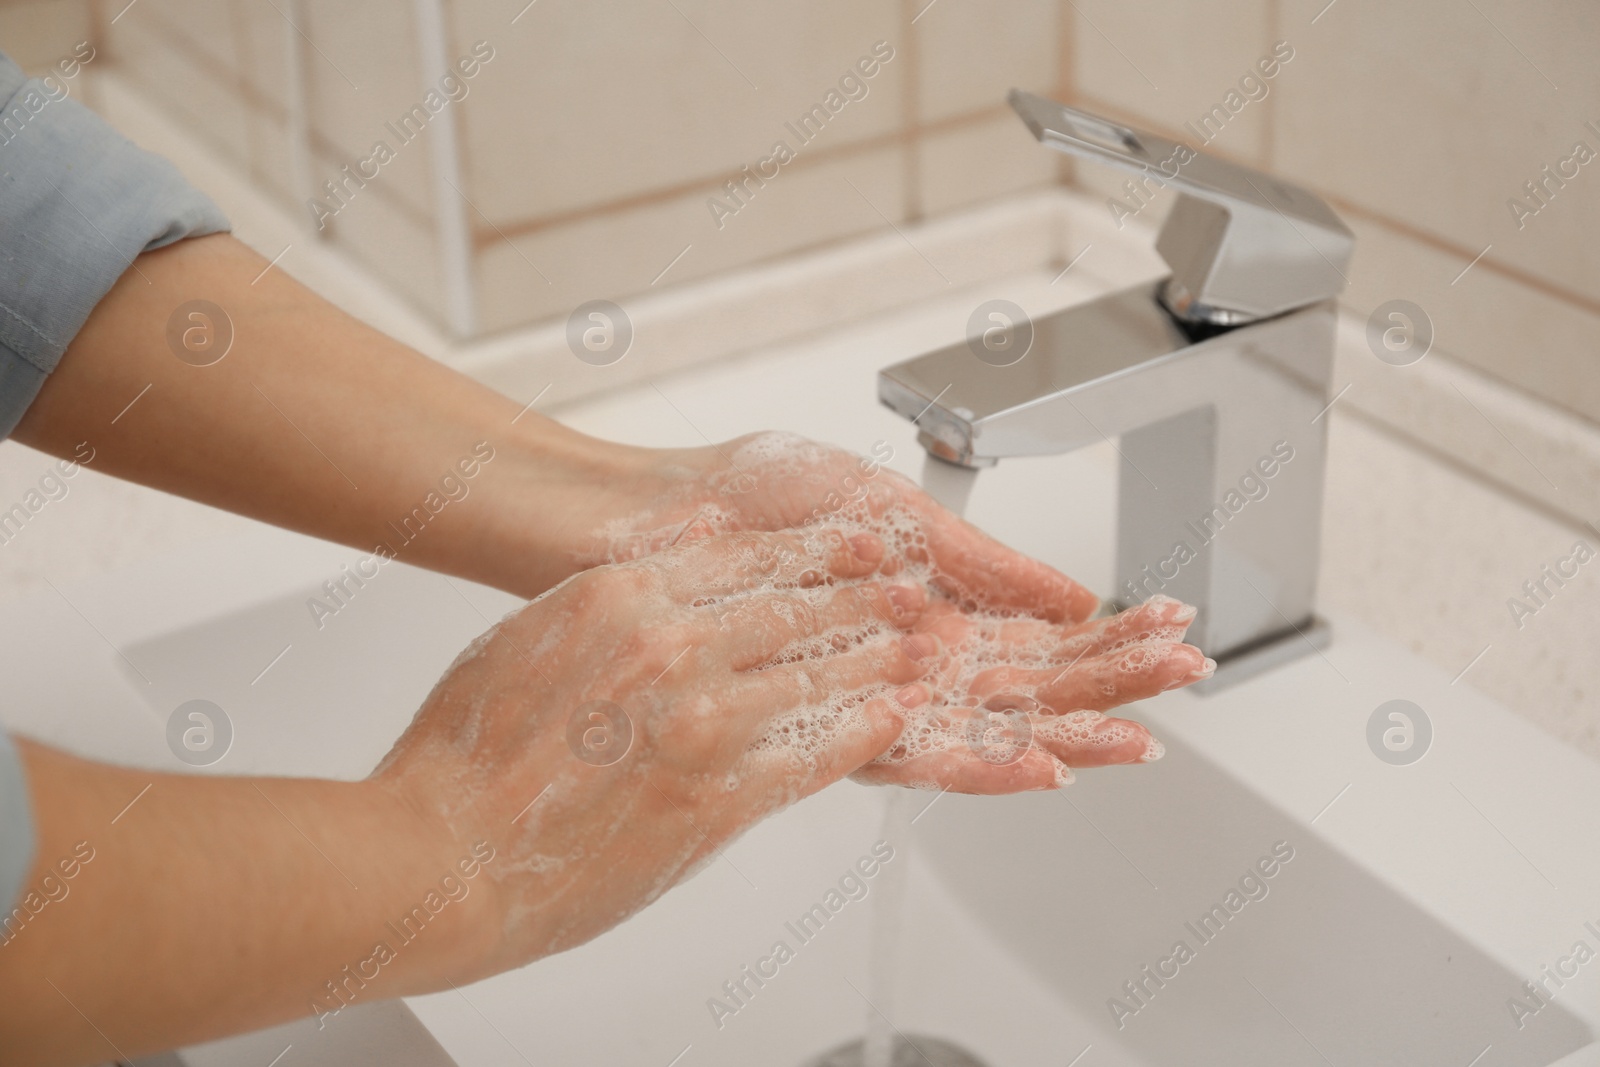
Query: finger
(774, 773)
(954, 748)
(757, 629)
(976, 570)
(835, 744)
(1033, 642)
(1099, 683)
(1090, 739)
(885, 661)
(964, 772)
(1159, 617)
(750, 561)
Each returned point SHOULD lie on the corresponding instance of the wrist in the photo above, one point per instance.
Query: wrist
(551, 495)
(437, 916)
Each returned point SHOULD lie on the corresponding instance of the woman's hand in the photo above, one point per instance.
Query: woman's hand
(1014, 704)
(775, 481)
(1014, 630)
(618, 731)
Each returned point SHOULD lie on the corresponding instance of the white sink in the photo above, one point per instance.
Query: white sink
(1418, 900)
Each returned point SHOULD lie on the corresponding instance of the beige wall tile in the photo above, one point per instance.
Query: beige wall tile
(1174, 62)
(37, 34)
(195, 27)
(1424, 112)
(264, 32)
(364, 71)
(970, 54)
(270, 161)
(184, 78)
(620, 254)
(394, 244)
(979, 161)
(587, 103)
(1499, 325)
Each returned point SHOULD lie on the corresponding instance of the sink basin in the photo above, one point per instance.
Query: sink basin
(1415, 903)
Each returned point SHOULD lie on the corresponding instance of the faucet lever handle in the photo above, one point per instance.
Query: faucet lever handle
(1242, 244)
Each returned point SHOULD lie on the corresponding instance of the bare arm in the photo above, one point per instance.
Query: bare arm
(318, 423)
(205, 905)
(214, 905)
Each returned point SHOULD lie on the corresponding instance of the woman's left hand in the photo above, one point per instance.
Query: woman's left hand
(1015, 704)
(776, 481)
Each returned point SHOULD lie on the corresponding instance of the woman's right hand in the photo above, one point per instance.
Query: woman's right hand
(614, 734)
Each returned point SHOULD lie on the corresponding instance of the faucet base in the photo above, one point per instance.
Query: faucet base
(1304, 639)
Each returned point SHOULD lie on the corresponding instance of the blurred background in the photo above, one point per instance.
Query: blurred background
(606, 150)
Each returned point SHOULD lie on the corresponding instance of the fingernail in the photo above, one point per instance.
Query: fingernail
(866, 547)
(1205, 670)
(1064, 776)
(912, 696)
(920, 646)
(905, 598)
(1185, 613)
(1153, 751)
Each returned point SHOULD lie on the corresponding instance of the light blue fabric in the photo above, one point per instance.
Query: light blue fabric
(78, 201)
(16, 829)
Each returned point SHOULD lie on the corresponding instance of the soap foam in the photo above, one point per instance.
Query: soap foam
(800, 735)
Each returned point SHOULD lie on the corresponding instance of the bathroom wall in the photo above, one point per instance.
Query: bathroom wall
(35, 33)
(587, 155)
(582, 156)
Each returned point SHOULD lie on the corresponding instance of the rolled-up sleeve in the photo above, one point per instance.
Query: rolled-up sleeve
(78, 202)
(16, 830)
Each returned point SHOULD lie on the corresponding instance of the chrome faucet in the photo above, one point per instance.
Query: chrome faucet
(1215, 378)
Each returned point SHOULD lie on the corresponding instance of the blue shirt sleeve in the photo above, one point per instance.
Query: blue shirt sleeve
(78, 202)
(16, 829)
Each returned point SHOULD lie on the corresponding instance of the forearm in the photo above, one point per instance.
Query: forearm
(318, 423)
(213, 905)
